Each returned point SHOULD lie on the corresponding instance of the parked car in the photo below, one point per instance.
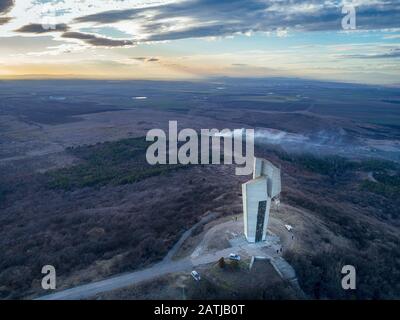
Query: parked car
(234, 256)
(195, 275)
(288, 227)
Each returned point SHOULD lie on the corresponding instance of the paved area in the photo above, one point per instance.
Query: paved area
(200, 256)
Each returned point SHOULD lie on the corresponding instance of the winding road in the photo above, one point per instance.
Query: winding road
(167, 265)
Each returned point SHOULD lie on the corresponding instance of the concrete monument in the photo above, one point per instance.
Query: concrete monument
(257, 196)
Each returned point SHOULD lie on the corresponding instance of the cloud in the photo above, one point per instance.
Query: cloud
(125, 23)
(193, 32)
(210, 18)
(392, 36)
(39, 28)
(5, 5)
(393, 53)
(165, 20)
(97, 41)
(110, 16)
(4, 20)
(144, 59)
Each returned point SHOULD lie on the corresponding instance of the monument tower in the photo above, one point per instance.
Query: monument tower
(257, 196)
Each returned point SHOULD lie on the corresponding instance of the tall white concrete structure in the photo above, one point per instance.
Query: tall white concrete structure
(257, 196)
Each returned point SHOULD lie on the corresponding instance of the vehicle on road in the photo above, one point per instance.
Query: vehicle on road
(234, 256)
(195, 275)
(288, 227)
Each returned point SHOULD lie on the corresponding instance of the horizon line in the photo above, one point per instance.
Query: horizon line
(72, 77)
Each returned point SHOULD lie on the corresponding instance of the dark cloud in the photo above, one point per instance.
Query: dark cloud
(4, 20)
(6, 5)
(394, 53)
(39, 28)
(226, 17)
(110, 16)
(97, 41)
(195, 32)
(144, 59)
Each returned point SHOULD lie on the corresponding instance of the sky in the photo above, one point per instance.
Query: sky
(197, 39)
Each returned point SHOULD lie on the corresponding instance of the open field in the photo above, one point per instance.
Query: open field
(76, 192)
